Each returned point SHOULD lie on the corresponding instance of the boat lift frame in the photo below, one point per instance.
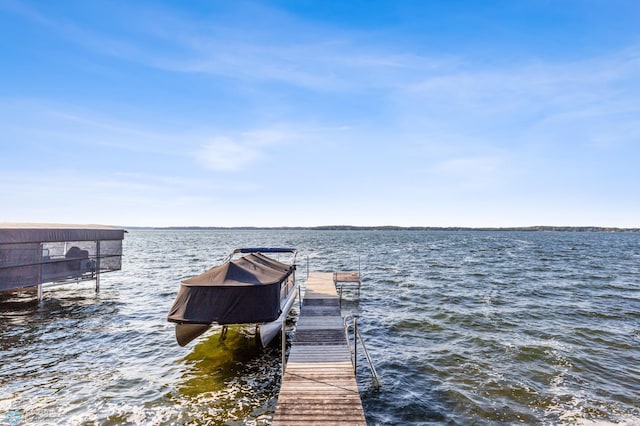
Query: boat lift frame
(49, 255)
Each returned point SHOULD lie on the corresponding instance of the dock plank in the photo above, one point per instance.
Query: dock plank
(319, 385)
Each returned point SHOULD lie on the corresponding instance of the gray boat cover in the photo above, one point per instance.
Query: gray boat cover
(242, 291)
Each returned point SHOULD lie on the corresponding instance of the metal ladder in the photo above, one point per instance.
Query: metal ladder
(352, 322)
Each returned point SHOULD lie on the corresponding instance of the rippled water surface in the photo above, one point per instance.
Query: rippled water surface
(463, 327)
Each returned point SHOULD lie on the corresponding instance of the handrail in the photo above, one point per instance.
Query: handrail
(354, 353)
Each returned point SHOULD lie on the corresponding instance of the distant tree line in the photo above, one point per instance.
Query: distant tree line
(402, 228)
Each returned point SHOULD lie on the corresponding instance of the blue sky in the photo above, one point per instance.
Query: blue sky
(303, 113)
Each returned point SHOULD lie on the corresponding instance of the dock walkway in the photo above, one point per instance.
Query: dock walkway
(319, 385)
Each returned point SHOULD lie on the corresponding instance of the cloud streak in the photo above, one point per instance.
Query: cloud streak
(165, 40)
(226, 155)
(236, 153)
(75, 130)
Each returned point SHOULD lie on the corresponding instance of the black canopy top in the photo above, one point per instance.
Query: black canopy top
(250, 270)
(241, 291)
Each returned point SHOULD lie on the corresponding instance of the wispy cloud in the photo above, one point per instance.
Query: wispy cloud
(113, 197)
(75, 32)
(326, 58)
(43, 122)
(316, 57)
(469, 166)
(528, 84)
(233, 153)
(224, 154)
(575, 103)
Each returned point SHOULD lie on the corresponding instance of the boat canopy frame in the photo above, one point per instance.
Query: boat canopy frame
(249, 250)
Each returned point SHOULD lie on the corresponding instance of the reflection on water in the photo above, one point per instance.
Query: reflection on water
(463, 327)
(234, 378)
(214, 360)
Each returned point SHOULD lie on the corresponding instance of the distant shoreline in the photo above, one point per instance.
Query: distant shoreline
(387, 228)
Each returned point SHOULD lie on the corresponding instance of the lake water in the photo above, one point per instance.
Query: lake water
(464, 327)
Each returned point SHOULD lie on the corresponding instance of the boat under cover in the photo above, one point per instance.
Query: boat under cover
(252, 289)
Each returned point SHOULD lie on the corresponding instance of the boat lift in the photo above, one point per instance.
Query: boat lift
(50, 255)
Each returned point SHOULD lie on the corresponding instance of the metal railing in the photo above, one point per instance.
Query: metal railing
(352, 322)
(340, 287)
(348, 279)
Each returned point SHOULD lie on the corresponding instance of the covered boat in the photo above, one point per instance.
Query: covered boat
(253, 289)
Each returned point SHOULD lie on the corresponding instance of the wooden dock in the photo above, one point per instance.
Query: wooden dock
(319, 385)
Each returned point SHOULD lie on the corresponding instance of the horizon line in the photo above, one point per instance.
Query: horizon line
(397, 227)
